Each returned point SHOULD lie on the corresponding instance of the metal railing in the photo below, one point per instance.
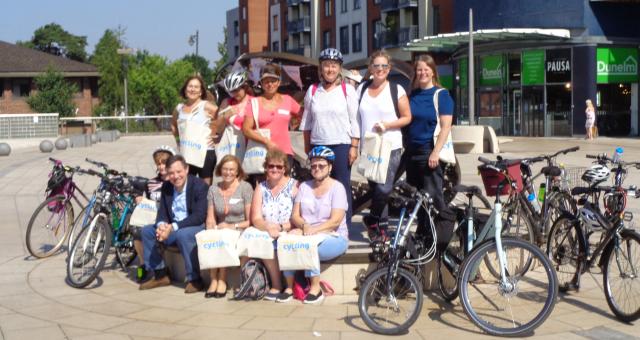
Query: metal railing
(386, 39)
(388, 5)
(126, 125)
(407, 3)
(28, 125)
(406, 34)
(295, 2)
(299, 25)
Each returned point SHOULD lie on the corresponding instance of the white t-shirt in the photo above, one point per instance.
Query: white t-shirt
(380, 109)
(331, 118)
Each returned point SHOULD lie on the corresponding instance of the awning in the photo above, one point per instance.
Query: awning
(449, 42)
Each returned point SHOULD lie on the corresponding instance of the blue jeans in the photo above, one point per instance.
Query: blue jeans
(184, 238)
(329, 249)
(341, 171)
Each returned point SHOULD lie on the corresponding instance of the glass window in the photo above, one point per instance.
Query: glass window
(326, 39)
(613, 109)
(343, 6)
(236, 28)
(377, 30)
(244, 38)
(275, 46)
(344, 39)
(244, 13)
(328, 8)
(436, 20)
(21, 87)
(356, 4)
(275, 22)
(356, 30)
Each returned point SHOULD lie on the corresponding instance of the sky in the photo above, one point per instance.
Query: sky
(160, 26)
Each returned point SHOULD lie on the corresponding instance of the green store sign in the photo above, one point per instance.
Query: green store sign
(493, 70)
(533, 67)
(616, 65)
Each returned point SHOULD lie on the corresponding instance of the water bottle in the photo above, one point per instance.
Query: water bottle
(617, 155)
(534, 202)
(541, 192)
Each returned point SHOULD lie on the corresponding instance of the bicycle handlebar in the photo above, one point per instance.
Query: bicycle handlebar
(551, 156)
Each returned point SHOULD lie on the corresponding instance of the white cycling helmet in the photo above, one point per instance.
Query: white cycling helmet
(588, 218)
(164, 148)
(235, 80)
(596, 174)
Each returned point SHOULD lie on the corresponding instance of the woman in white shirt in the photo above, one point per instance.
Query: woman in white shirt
(330, 119)
(377, 113)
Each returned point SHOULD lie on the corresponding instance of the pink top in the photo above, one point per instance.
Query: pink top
(238, 119)
(277, 121)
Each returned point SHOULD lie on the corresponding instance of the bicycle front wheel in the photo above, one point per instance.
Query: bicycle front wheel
(390, 309)
(89, 253)
(514, 304)
(49, 226)
(621, 281)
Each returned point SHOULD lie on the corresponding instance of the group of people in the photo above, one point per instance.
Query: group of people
(334, 119)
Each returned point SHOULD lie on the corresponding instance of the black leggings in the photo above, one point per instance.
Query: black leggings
(206, 171)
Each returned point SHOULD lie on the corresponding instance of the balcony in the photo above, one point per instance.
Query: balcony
(407, 34)
(388, 5)
(299, 25)
(303, 51)
(387, 39)
(295, 2)
(407, 3)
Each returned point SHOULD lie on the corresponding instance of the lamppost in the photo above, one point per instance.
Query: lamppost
(126, 52)
(194, 39)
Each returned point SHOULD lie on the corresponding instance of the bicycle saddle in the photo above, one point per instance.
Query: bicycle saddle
(467, 189)
(551, 171)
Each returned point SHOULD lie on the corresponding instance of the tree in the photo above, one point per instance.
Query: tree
(54, 94)
(53, 39)
(109, 63)
(201, 65)
(224, 55)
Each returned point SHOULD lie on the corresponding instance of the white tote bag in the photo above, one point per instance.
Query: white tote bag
(231, 143)
(255, 243)
(193, 141)
(447, 153)
(217, 248)
(144, 213)
(297, 252)
(374, 162)
(255, 154)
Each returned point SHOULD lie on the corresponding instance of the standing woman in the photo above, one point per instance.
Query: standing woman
(330, 119)
(274, 113)
(197, 110)
(232, 109)
(591, 119)
(422, 155)
(377, 113)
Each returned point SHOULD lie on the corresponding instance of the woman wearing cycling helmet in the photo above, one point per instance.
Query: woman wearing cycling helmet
(320, 208)
(197, 109)
(160, 157)
(231, 110)
(330, 119)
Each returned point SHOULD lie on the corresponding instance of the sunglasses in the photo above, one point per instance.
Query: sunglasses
(382, 66)
(275, 166)
(318, 166)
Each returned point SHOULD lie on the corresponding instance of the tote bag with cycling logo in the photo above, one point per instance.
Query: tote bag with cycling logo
(447, 153)
(256, 153)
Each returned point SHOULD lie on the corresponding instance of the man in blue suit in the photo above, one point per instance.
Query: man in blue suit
(181, 215)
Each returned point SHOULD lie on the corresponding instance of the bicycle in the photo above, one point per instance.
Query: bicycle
(52, 221)
(110, 226)
(617, 252)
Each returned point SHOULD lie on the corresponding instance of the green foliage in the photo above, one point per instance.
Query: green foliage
(53, 39)
(224, 56)
(109, 63)
(201, 65)
(54, 94)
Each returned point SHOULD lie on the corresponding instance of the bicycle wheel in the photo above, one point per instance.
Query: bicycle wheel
(621, 281)
(566, 249)
(125, 251)
(82, 220)
(559, 203)
(516, 223)
(89, 253)
(49, 226)
(390, 310)
(448, 265)
(516, 304)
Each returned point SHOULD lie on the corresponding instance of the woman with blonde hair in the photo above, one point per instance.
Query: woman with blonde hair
(590, 122)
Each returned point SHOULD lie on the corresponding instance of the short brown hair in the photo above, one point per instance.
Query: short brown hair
(230, 158)
(176, 159)
(431, 63)
(278, 155)
(203, 87)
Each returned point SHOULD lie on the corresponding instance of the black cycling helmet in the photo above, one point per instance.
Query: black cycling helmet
(330, 54)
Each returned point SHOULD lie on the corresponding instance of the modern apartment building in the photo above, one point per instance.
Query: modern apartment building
(351, 28)
(278, 37)
(299, 26)
(233, 33)
(254, 23)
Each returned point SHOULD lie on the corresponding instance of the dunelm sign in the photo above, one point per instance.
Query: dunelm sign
(492, 70)
(616, 65)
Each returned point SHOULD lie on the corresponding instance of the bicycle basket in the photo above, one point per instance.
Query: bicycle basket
(572, 177)
(492, 178)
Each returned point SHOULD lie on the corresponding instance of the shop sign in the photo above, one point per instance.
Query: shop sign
(463, 72)
(445, 75)
(558, 66)
(492, 70)
(616, 65)
(533, 67)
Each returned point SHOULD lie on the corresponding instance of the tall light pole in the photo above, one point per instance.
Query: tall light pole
(195, 39)
(471, 68)
(126, 52)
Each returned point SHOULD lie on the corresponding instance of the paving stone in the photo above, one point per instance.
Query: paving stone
(163, 315)
(271, 335)
(49, 333)
(265, 308)
(203, 333)
(152, 329)
(9, 322)
(51, 310)
(207, 319)
(92, 321)
(279, 323)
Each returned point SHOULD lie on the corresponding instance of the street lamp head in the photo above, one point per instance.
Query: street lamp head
(126, 51)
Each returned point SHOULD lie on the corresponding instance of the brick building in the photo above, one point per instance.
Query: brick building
(254, 25)
(20, 65)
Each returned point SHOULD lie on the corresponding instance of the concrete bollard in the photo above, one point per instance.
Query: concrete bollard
(61, 144)
(5, 149)
(46, 146)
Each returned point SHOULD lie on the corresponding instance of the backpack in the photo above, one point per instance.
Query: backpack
(314, 88)
(254, 281)
(393, 88)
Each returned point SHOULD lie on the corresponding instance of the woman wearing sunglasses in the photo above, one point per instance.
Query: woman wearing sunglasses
(378, 113)
(271, 208)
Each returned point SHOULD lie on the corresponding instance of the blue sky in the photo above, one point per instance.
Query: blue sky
(161, 26)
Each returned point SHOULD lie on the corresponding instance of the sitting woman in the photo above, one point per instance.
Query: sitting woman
(320, 208)
(229, 207)
(271, 209)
